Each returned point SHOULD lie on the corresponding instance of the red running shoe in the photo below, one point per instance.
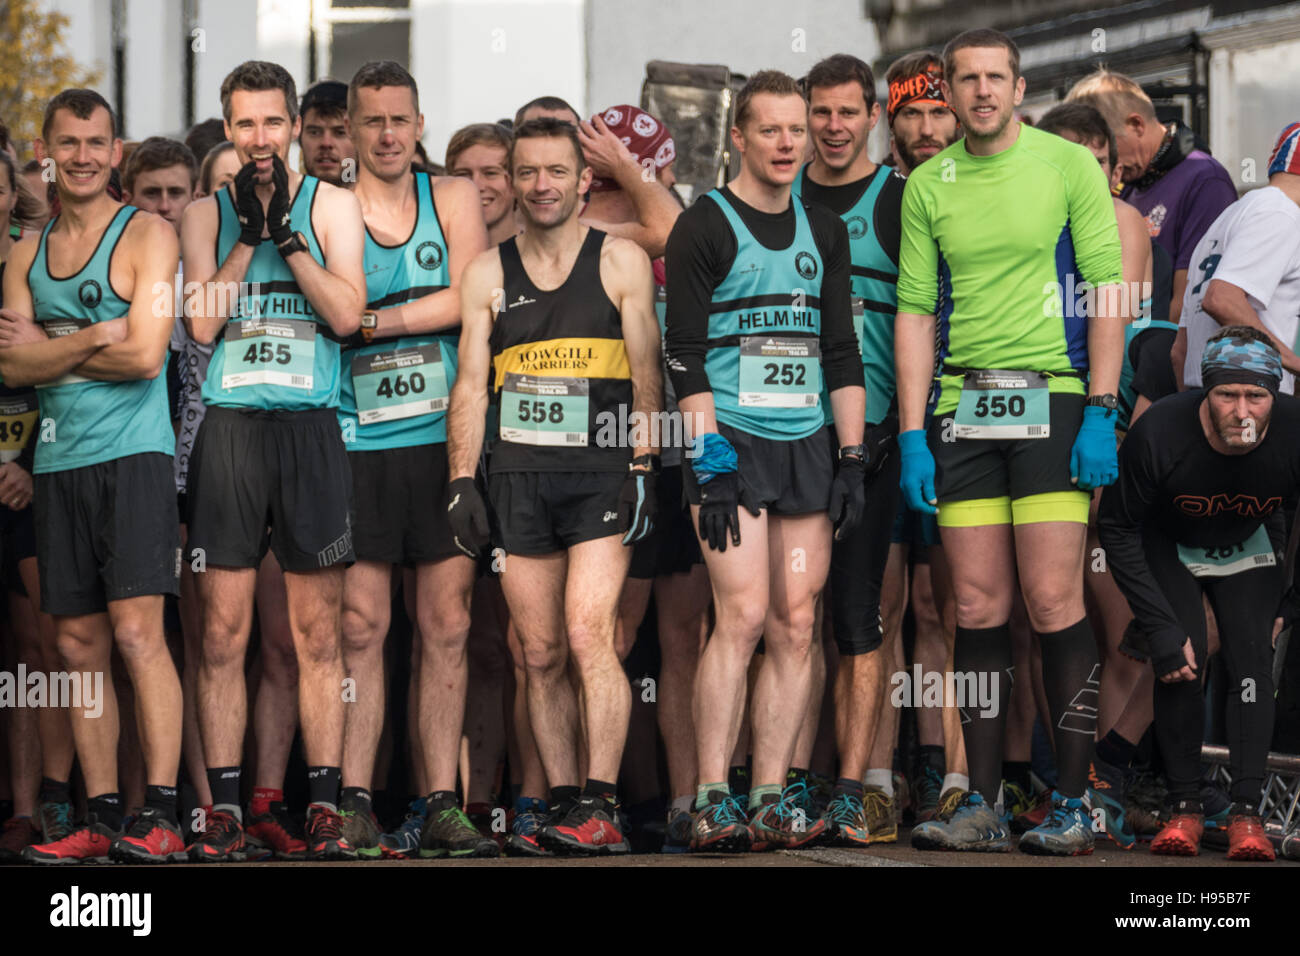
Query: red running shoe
(88, 843)
(588, 829)
(222, 840)
(1181, 836)
(324, 835)
(152, 839)
(277, 831)
(1247, 839)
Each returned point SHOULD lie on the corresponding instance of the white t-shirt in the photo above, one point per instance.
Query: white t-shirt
(1255, 245)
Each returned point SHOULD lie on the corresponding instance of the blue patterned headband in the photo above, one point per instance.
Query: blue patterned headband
(1234, 361)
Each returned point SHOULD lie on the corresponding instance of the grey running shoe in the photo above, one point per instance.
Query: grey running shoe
(1067, 831)
(448, 832)
(360, 829)
(972, 826)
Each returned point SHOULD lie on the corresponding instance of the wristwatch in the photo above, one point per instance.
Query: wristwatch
(854, 451)
(1108, 402)
(369, 324)
(295, 243)
(645, 463)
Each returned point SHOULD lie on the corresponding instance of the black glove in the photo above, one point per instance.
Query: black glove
(638, 506)
(719, 499)
(277, 210)
(879, 442)
(248, 207)
(467, 515)
(1167, 651)
(848, 497)
(1289, 608)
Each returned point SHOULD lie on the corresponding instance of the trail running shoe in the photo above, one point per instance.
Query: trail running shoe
(1144, 804)
(784, 824)
(222, 840)
(531, 815)
(1024, 822)
(483, 815)
(846, 821)
(325, 840)
(949, 802)
(87, 843)
(18, 834)
(1247, 839)
(1215, 805)
(151, 838)
(405, 840)
(448, 832)
(677, 833)
(1014, 800)
(879, 808)
(1106, 793)
(925, 789)
(277, 832)
(1067, 831)
(820, 791)
(721, 826)
(1181, 836)
(972, 826)
(361, 830)
(589, 828)
(54, 820)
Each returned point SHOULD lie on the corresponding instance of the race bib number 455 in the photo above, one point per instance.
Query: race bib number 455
(1003, 404)
(541, 410)
(399, 383)
(270, 352)
(778, 372)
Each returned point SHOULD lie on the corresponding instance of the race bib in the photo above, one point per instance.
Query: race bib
(780, 372)
(538, 410)
(56, 329)
(264, 351)
(996, 403)
(17, 419)
(1255, 552)
(399, 383)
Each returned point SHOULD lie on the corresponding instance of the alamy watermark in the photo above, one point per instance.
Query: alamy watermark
(75, 689)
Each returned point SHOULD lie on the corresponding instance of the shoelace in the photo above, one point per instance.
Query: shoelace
(144, 824)
(727, 812)
(455, 816)
(877, 801)
(844, 808)
(325, 825)
(218, 825)
(62, 813)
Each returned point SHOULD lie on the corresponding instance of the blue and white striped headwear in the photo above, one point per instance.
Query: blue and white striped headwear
(1234, 361)
(1286, 154)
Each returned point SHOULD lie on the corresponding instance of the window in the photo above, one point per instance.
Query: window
(349, 33)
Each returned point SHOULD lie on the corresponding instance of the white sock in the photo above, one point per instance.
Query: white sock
(884, 779)
(959, 780)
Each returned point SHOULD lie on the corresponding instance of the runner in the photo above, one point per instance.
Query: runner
(327, 152)
(758, 320)
(269, 451)
(104, 411)
(478, 153)
(420, 233)
(1012, 447)
(1198, 511)
(219, 167)
(842, 112)
(566, 317)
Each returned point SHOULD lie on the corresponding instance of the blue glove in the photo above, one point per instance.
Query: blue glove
(917, 480)
(1094, 459)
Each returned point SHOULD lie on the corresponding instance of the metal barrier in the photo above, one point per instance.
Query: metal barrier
(1279, 800)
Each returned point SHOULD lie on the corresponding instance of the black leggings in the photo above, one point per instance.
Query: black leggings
(858, 566)
(1244, 606)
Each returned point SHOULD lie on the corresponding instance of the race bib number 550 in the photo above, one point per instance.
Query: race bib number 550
(996, 403)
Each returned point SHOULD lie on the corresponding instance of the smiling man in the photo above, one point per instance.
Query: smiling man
(269, 453)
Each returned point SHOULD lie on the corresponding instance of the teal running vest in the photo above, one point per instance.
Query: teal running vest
(874, 286)
(83, 421)
(764, 358)
(1127, 396)
(273, 351)
(402, 385)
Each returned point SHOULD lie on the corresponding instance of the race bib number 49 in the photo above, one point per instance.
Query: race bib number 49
(541, 410)
(1002, 404)
(1255, 552)
(270, 352)
(780, 372)
(399, 383)
(17, 419)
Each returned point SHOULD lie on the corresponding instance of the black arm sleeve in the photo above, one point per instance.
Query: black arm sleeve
(699, 254)
(841, 359)
(889, 215)
(1153, 369)
(1125, 505)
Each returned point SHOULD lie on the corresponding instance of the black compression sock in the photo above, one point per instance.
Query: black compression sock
(796, 775)
(568, 795)
(323, 785)
(55, 791)
(162, 799)
(738, 779)
(358, 797)
(1017, 772)
(602, 789)
(1070, 673)
(224, 784)
(107, 808)
(847, 785)
(985, 654)
(1115, 750)
(441, 800)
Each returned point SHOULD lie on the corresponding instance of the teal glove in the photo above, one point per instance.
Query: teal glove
(1094, 459)
(917, 479)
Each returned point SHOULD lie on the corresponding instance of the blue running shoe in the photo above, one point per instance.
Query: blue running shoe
(677, 835)
(405, 840)
(530, 816)
(926, 788)
(1106, 793)
(1067, 831)
(972, 826)
(847, 821)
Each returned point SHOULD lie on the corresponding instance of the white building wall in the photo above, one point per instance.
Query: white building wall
(88, 37)
(154, 68)
(230, 36)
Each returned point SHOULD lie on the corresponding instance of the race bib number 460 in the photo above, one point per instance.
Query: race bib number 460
(399, 383)
(780, 372)
(1001, 404)
(540, 410)
(1255, 552)
(270, 352)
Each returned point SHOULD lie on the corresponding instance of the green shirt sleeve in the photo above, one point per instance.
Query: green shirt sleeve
(918, 259)
(1093, 226)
